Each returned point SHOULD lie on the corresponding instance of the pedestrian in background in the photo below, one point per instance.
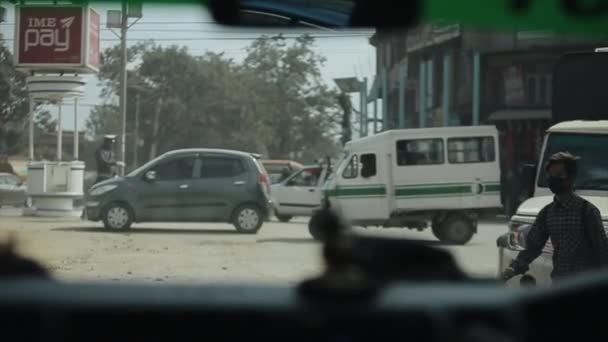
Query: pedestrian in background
(572, 223)
(107, 166)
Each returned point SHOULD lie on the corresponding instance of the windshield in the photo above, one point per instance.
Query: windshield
(439, 119)
(140, 169)
(592, 171)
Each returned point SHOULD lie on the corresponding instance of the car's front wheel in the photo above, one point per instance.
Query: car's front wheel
(117, 216)
(248, 219)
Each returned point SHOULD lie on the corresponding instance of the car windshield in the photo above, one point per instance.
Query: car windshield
(143, 167)
(592, 171)
(429, 127)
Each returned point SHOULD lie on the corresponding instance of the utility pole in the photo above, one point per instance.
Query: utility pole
(136, 132)
(123, 83)
(155, 127)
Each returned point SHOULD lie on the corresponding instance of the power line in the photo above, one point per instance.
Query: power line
(212, 38)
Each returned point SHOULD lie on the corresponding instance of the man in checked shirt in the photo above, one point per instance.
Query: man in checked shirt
(573, 224)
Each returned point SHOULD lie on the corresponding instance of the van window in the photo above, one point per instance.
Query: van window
(471, 150)
(220, 167)
(352, 169)
(368, 165)
(420, 152)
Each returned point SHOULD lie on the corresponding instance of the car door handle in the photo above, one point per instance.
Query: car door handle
(311, 190)
(184, 186)
(239, 183)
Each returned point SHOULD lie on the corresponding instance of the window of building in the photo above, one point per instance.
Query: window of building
(420, 152)
(539, 89)
(471, 150)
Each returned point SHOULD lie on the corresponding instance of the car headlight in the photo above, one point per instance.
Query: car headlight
(102, 189)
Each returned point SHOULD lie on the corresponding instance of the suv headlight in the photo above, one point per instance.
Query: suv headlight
(102, 189)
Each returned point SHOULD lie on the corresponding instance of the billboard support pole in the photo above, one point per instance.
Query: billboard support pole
(60, 133)
(76, 138)
(31, 129)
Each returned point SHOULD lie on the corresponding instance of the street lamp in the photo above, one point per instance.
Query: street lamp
(120, 19)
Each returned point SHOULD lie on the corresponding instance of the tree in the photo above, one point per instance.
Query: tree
(14, 103)
(304, 116)
(212, 101)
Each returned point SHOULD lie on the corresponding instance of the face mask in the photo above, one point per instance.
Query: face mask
(557, 185)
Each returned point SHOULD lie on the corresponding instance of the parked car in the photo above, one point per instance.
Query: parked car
(300, 193)
(191, 185)
(279, 170)
(13, 191)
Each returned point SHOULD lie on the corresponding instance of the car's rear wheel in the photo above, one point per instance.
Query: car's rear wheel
(117, 216)
(248, 219)
(456, 229)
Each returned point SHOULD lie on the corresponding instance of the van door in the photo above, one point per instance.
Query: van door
(361, 188)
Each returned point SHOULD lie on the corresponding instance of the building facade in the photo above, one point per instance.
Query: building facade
(448, 75)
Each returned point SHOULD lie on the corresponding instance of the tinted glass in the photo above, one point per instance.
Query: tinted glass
(419, 152)
(471, 150)
(368, 165)
(176, 169)
(217, 167)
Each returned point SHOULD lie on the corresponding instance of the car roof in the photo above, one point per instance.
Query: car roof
(209, 150)
(581, 126)
(280, 161)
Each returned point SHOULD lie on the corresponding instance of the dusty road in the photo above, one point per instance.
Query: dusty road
(201, 253)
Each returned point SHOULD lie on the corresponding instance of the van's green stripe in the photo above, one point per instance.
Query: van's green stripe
(492, 188)
(370, 191)
(457, 189)
(418, 190)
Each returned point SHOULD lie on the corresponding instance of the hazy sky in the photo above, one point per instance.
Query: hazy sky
(193, 27)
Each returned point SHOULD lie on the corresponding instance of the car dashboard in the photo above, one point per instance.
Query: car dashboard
(37, 310)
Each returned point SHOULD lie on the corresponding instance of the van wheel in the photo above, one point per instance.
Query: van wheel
(314, 228)
(117, 216)
(284, 218)
(247, 219)
(436, 229)
(456, 229)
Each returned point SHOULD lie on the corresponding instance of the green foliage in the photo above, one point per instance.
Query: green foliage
(14, 104)
(274, 103)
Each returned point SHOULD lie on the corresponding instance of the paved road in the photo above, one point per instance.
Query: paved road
(207, 253)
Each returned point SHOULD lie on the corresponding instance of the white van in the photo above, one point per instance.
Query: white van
(410, 177)
(587, 140)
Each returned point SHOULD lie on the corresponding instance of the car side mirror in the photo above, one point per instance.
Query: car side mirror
(150, 176)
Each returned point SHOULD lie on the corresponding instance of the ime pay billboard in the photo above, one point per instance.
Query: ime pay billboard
(62, 38)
